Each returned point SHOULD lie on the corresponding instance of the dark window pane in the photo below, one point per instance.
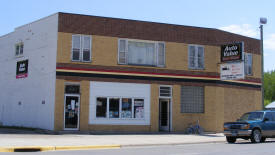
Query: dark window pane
(126, 108)
(114, 108)
(21, 48)
(72, 89)
(17, 50)
(101, 107)
(86, 55)
(76, 54)
(269, 116)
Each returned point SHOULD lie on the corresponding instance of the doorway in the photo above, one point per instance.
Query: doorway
(164, 114)
(71, 112)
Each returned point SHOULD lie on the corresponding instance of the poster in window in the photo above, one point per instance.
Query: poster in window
(139, 112)
(73, 104)
(22, 69)
(139, 108)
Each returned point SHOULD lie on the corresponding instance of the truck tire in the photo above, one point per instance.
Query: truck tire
(256, 136)
(230, 139)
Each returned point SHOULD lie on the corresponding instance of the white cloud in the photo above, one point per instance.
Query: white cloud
(250, 31)
(244, 29)
(269, 42)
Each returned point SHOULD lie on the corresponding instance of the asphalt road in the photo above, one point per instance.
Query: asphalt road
(239, 148)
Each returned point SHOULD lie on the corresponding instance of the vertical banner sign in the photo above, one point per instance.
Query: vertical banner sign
(231, 52)
(22, 69)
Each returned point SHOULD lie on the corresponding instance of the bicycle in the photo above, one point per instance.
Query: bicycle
(194, 129)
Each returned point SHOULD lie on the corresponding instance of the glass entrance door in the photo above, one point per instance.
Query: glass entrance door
(71, 112)
(164, 114)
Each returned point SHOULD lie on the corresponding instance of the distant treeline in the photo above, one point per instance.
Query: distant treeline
(269, 87)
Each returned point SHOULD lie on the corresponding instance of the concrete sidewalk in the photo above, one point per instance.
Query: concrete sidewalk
(18, 138)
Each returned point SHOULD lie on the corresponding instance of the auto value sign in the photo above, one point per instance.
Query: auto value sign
(232, 71)
(22, 69)
(231, 52)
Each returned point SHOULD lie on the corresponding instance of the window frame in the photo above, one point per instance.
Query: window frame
(81, 49)
(156, 52)
(120, 108)
(246, 65)
(19, 45)
(171, 91)
(196, 58)
(72, 84)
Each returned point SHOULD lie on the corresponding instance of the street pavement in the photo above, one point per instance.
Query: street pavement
(240, 148)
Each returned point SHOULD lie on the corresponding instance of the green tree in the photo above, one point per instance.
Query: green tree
(269, 87)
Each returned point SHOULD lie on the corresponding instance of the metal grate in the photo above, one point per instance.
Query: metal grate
(165, 91)
(192, 99)
(72, 89)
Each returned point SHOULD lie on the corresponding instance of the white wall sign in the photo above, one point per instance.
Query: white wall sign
(232, 71)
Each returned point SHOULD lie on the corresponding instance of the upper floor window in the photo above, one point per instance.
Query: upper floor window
(248, 63)
(196, 57)
(145, 53)
(19, 49)
(81, 48)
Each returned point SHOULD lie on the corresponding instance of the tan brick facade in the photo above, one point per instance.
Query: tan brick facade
(222, 102)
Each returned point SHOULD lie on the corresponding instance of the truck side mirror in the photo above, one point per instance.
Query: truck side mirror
(266, 119)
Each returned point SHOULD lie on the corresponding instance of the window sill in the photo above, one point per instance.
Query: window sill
(19, 56)
(81, 61)
(196, 68)
(192, 113)
(120, 119)
(139, 65)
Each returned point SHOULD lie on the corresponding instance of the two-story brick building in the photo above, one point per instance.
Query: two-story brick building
(89, 73)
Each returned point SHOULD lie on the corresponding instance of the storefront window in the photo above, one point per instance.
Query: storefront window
(126, 111)
(114, 108)
(130, 108)
(101, 107)
(139, 108)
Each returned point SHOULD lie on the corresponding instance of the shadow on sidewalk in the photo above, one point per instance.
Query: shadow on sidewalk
(24, 130)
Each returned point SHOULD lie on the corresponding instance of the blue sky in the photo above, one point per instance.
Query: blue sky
(238, 16)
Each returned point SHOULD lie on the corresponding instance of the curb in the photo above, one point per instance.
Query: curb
(55, 148)
(162, 144)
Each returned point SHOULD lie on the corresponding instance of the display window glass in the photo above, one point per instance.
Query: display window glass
(114, 108)
(101, 107)
(120, 108)
(139, 108)
(126, 111)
